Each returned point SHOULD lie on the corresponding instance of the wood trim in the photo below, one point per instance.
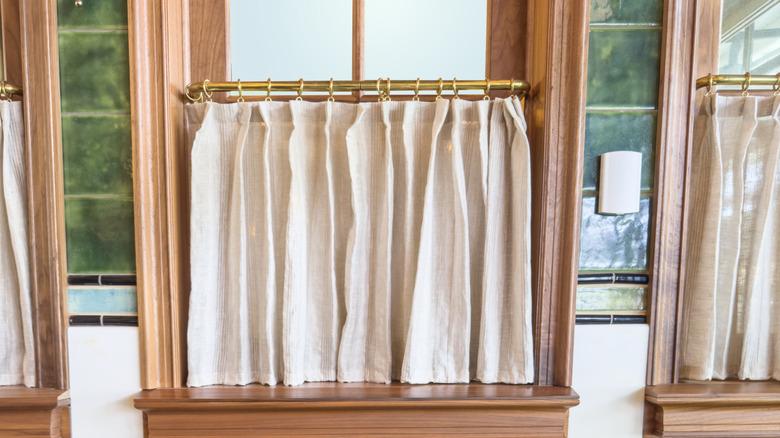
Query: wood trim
(209, 45)
(11, 40)
(556, 69)
(675, 122)
(343, 409)
(32, 412)
(41, 85)
(157, 78)
(505, 54)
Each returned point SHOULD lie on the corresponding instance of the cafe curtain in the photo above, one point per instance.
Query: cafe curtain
(370, 242)
(731, 313)
(17, 356)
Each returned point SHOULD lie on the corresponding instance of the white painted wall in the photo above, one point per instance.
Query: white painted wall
(610, 362)
(104, 379)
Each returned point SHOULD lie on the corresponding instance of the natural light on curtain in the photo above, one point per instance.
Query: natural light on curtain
(731, 315)
(17, 357)
(360, 242)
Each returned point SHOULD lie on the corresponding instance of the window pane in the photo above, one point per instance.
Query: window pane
(407, 39)
(291, 39)
(750, 39)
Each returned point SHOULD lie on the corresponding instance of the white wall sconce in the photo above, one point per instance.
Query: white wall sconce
(620, 179)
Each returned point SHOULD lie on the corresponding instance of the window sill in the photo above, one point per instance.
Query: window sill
(34, 412)
(358, 409)
(715, 409)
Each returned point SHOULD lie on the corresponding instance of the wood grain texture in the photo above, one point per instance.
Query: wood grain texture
(157, 79)
(209, 47)
(42, 134)
(555, 110)
(713, 409)
(32, 412)
(11, 39)
(505, 54)
(337, 409)
(675, 123)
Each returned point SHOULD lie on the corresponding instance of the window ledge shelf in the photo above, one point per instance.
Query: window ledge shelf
(358, 409)
(34, 412)
(715, 409)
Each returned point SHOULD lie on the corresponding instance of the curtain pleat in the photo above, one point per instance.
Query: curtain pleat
(732, 283)
(17, 356)
(353, 242)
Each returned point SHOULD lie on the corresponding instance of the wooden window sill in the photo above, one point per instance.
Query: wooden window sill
(715, 409)
(34, 412)
(358, 409)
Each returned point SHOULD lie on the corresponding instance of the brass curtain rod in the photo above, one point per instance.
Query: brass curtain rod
(7, 90)
(745, 81)
(383, 87)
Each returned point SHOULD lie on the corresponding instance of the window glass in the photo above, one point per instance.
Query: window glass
(291, 39)
(750, 37)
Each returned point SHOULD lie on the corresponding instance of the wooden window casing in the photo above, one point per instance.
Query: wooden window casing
(179, 41)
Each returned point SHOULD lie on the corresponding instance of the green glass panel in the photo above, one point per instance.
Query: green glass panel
(612, 298)
(623, 68)
(607, 132)
(614, 243)
(98, 155)
(625, 11)
(102, 300)
(100, 235)
(94, 72)
(92, 14)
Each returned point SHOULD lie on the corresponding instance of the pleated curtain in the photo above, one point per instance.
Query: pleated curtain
(365, 242)
(17, 357)
(731, 313)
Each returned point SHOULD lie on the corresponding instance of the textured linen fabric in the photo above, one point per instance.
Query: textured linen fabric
(364, 242)
(731, 313)
(17, 356)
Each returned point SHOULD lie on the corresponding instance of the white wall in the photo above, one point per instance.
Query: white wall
(610, 362)
(104, 379)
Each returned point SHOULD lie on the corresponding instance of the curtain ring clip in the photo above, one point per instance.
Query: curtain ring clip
(300, 89)
(487, 90)
(512, 88)
(776, 86)
(746, 84)
(330, 91)
(439, 89)
(240, 92)
(455, 88)
(379, 90)
(710, 83)
(206, 90)
(268, 90)
(387, 91)
(417, 90)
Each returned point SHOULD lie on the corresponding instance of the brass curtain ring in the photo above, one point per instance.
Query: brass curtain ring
(206, 89)
(268, 91)
(186, 93)
(487, 89)
(746, 85)
(776, 86)
(240, 92)
(439, 89)
(387, 92)
(300, 89)
(710, 83)
(379, 90)
(417, 90)
(455, 88)
(330, 91)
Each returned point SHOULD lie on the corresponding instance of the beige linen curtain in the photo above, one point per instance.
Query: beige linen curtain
(17, 360)
(731, 313)
(362, 242)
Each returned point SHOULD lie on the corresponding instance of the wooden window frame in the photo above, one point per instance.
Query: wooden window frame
(690, 45)
(179, 41)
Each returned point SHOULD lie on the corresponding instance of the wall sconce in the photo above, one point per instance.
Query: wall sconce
(620, 179)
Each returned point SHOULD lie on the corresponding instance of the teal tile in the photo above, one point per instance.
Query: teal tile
(94, 72)
(100, 235)
(607, 132)
(98, 155)
(614, 243)
(612, 298)
(625, 12)
(623, 68)
(92, 14)
(102, 300)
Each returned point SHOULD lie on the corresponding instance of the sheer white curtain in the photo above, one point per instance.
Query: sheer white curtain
(17, 357)
(360, 242)
(731, 314)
